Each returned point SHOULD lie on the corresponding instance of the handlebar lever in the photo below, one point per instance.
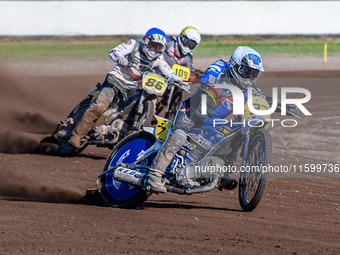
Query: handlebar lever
(180, 85)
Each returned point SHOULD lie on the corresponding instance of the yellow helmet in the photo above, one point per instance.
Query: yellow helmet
(189, 38)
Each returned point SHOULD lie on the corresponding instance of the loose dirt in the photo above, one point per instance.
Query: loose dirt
(41, 192)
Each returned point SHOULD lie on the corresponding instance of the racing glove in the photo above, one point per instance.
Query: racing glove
(292, 110)
(174, 77)
(123, 61)
(184, 85)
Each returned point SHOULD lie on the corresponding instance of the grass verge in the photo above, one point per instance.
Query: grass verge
(97, 48)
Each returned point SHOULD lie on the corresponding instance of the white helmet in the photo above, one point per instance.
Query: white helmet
(245, 66)
(189, 38)
(154, 42)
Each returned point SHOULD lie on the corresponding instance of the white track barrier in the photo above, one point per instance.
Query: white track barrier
(69, 18)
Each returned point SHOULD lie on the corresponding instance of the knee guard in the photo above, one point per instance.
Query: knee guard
(102, 102)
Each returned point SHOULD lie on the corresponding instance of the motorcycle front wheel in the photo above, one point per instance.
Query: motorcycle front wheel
(253, 179)
(176, 100)
(146, 118)
(119, 194)
(65, 148)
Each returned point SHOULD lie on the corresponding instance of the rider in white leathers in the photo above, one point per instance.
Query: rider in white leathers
(124, 77)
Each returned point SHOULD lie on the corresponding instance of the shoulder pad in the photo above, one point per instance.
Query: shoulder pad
(220, 62)
(215, 68)
(132, 41)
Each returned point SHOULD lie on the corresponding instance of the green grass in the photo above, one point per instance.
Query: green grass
(64, 48)
(97, 48)
(163, 0)
(293, 46)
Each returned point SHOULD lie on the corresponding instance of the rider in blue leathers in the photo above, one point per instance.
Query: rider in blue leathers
(242, 70)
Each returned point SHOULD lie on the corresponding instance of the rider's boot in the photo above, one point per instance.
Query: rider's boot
(227, 183)
(82, 127)
(91, 115)
(155, 181)
(167, 152)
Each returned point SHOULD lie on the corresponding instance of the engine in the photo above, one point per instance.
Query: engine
(111, 131)
(201, 172)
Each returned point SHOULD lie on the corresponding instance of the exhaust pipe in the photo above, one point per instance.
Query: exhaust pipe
(136, 178)
(129, 176)
(204, 188)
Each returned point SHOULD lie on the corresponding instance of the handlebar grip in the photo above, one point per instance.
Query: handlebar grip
(148, 68)
(294, 115)
(179, 85)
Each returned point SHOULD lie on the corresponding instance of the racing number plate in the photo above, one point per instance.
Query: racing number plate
(181, 71)
(259, 103)
(154, 84)
(162, 128)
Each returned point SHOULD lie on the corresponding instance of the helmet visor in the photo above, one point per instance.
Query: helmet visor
(155, 46)
(188, 42)
(248, 72)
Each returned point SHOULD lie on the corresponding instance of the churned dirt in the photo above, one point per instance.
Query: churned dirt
(41, 193)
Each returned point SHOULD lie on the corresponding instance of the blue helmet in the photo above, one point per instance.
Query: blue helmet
(154, 42)
(245, 66)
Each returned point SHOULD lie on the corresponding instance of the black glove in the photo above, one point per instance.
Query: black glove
(292, 110)
(270, 102)
(199, 73)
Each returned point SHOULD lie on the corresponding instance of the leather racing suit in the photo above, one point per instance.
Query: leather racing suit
(119, 82)
(173, 55)
(219, 105)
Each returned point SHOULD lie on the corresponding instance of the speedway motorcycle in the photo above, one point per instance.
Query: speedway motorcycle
(173, 96)
(121, 117)
(194, 169)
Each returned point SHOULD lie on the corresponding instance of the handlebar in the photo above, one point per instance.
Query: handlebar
(293, 114)
(197, 72)
(289, 113)
(181, 85)
(137, 65)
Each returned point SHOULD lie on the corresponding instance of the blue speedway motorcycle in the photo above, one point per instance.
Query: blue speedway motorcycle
(209, 156)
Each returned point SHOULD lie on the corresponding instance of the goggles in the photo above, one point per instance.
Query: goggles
(248, 72)
(188, 42)
(155, 46)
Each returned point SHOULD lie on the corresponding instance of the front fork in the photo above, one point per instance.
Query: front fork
(169, 98)
(245, 148)
(139, 113)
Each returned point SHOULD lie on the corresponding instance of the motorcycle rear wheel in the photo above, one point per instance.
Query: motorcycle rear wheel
(253, 181)
(118, 194)
(65, 148)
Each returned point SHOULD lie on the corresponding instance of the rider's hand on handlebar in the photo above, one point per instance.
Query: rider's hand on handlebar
(292, 110)
(123, 61)
(197, 72)
(175, 80)
(185, 85)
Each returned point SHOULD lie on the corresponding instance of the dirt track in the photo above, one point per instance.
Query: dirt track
(40, 193)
